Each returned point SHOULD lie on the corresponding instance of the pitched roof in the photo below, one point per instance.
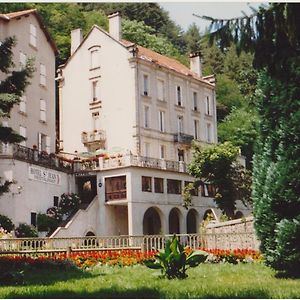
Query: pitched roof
(164, 61)
(13, 15)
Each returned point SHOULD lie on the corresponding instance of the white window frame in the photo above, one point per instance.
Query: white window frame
(179, 95)
(23, 59)
(146, 116)
(162, 151)
(96, 120)
(180, 126)
(208, 133)
(43, 110)
(196, 129)
(145, 84)
(32, 35)
(95, 91)
(95, 58)
(23, 104)
(147, 147)
(207, 106)
(160, 90)
(43, 74)
(161, 121)
(48, 144)
(195, 101)
(23, 132)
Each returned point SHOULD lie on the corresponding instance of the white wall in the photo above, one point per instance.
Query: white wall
(117, 94)
(34, 196)
(44, 54)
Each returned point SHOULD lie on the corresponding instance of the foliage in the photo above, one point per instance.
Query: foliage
(46, 222)
(175, 259)
(68, 203)
(273, 35)
(193, 38)
(6, 223)
(240, 128)
(217, 165)
(143, 35)
(25, 230)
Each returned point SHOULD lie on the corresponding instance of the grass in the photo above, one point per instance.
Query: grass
(205, 281)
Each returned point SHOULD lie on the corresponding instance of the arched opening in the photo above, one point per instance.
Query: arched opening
(238, 215)
(151, 222)
(90, 233)
(174, 225)
(209, 215)
(91, 241)
(191, 221)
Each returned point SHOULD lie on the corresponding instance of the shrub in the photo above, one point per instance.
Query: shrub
(46, 222)
(6, 223)
(25, 230)
(175, 259)
(69, 203)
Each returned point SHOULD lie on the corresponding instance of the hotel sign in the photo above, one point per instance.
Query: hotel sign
(43, 175)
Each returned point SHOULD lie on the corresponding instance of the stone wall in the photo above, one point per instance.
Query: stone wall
(233, 234)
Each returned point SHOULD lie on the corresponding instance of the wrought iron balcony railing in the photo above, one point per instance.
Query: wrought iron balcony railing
(183, 138)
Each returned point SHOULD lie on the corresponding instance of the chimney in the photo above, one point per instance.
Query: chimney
(115, 25)
(195, 63)
(76, 39)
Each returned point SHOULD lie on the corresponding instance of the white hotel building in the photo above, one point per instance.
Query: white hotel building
(138, 112)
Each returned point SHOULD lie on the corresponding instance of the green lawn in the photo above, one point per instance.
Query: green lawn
(205, 281)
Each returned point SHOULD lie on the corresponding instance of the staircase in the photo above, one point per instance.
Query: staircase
(84, 220)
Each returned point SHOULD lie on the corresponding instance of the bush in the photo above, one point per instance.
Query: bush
(69, 203)
(46, 222)
(6, 223)
(25, 230)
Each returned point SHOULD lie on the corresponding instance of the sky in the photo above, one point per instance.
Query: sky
(182, 12)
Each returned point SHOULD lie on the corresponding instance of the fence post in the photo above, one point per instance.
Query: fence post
(69, 251)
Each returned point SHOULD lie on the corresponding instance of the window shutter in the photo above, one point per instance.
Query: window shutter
(48, 144)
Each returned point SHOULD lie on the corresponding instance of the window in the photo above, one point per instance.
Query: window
(42, 74)
(158, 185)
(96, 119)
(194, 191)
(55, 201)
(23, 101)
(180, 155)
(195, 101)
(180, 124)
(160, 90)
(146, 116)
(146, 184)
(196, 129)
(207, 190)
(115, 188)
(146, 85)
(178, 95)
(44, 142)
(162, 151)
(23, 133)
(23, 59)
(43, 110)
(173, 186)
(33, 219)
(95, 91)
(32, 37)
(208, 133)
(95, 58)
(161, 121)
(147, 149)
(207, 106)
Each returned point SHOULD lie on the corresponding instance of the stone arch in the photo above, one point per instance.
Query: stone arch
(90, 233)
(209, 213)
(152, 221)
(174, 221)
(192, 221)
(238, 215)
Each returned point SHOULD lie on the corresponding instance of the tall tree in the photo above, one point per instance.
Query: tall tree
(273, 35)
(193, 38)
(11, 89)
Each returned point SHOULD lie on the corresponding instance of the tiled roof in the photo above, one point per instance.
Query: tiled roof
(13, 15)
(164, 61)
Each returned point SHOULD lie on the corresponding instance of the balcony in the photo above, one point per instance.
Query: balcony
(183, 138)
(92, 137)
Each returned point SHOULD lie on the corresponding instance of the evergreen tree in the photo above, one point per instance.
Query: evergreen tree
(193, 38)
(11, 89)
(273, 35)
